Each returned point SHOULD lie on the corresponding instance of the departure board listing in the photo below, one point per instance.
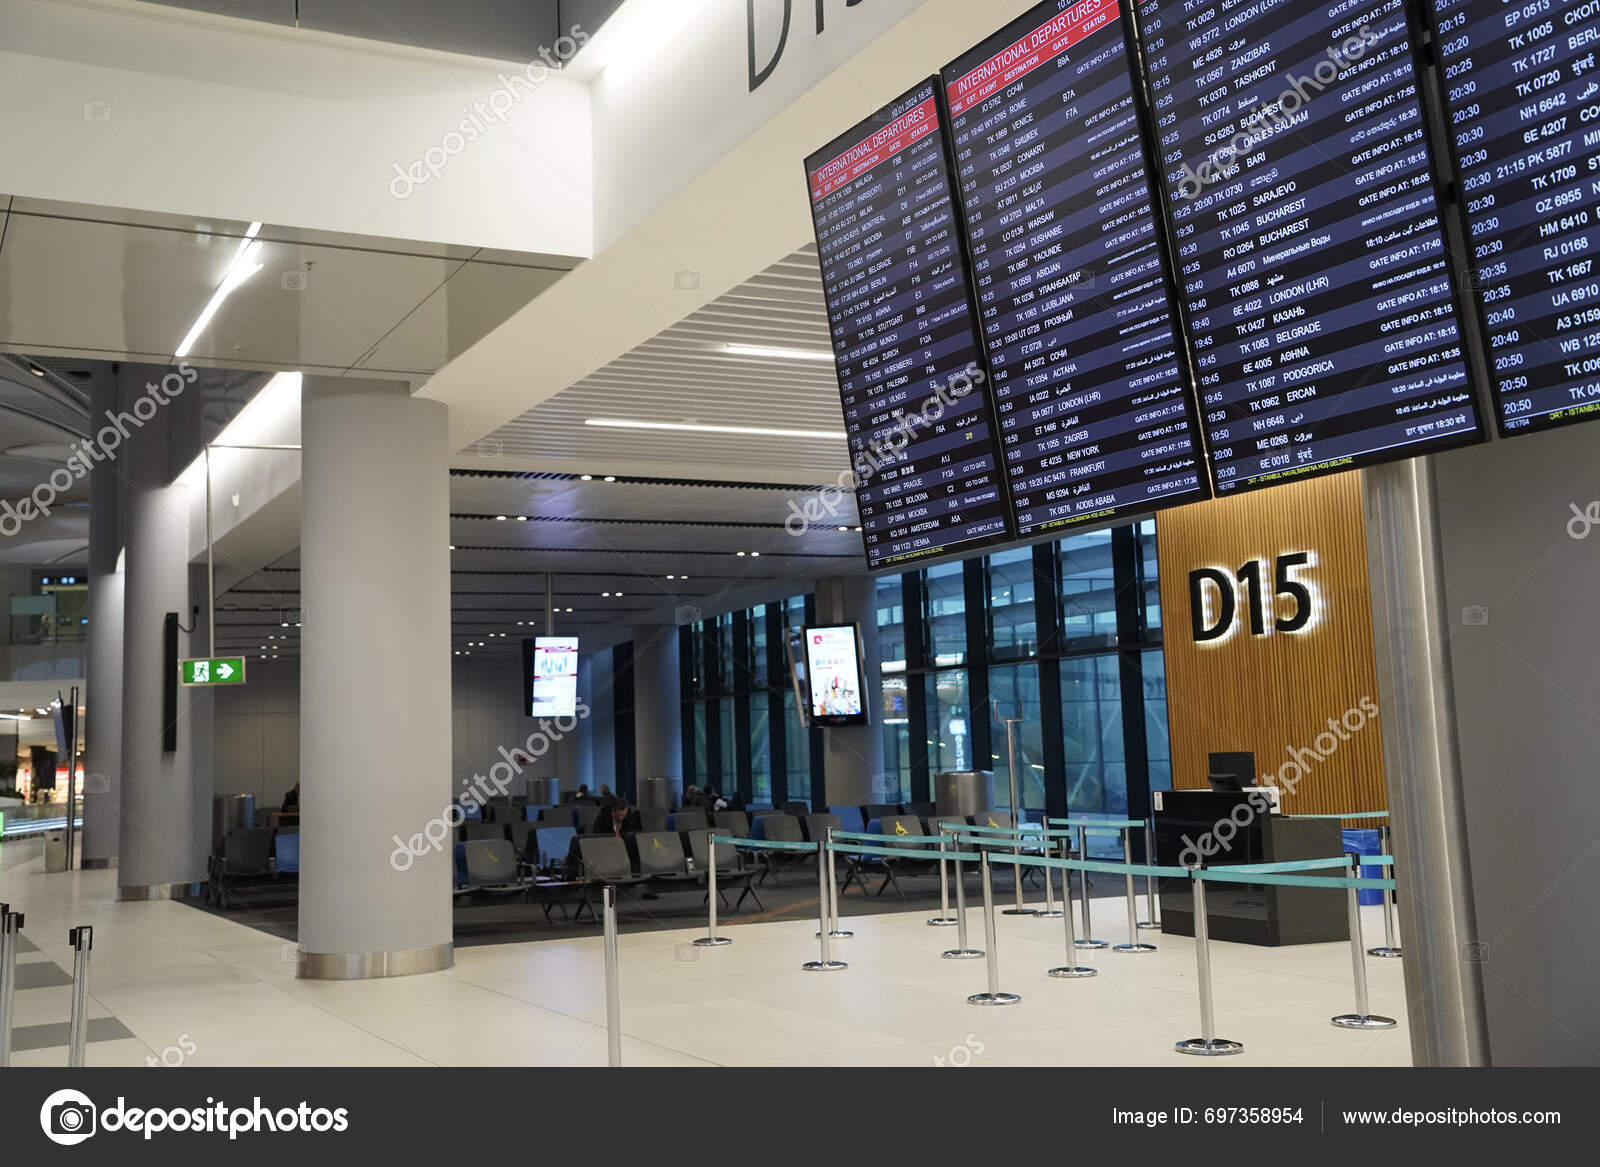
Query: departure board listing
(914, 389)
(1091, 383)
(1320, 300)
(1522, 88)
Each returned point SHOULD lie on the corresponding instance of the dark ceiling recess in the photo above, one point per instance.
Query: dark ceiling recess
(506, 30)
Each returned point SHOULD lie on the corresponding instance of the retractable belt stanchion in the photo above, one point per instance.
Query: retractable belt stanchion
(833, 893)
(944, 919)
(1016, 821)
(711, 939)
(1049, 911)
(1388, 949)
(1150, 880)
(82, 940)
(1087, 939)
(961, 951)
(1069, 969)
(1207, 1044)
(613, 988)
(994, 996)
(1134, 944)
(10, 927)
(826, 963)
(1362, 1018)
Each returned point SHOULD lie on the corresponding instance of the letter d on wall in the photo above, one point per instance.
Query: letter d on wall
(758, 79)
(1197, 604)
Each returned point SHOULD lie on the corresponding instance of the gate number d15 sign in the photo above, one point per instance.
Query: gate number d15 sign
(1217, 596)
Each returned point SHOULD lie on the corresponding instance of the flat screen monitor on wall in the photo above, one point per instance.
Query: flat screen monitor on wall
(834, 670)
(550, 672)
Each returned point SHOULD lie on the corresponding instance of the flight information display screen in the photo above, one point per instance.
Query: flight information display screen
(1522, 87)
(913, 386)
(1091, 382)
(1314, 273)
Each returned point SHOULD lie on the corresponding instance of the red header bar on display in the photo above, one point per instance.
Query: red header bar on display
(1045, 43)
(899, 135)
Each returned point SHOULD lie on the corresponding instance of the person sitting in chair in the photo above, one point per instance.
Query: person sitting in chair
(616, 820)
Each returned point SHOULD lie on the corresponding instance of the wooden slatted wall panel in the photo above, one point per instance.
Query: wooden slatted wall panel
(1276, 693)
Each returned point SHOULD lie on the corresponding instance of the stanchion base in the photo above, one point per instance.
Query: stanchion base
(994, 999)
(1145, 924)
(1073, 971)
(962, 953)
(1383, 950)
(1019, 911)
(824, 965)
(1215, 1047)
(712, 942)
(943, 922)
(839, 935)
(1049, 913)
(1363, 1021)
(1090, 944)
(1133, 947)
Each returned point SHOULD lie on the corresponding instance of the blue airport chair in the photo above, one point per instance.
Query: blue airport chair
(286, 849)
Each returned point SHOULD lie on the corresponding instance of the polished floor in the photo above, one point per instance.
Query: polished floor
(174, 985)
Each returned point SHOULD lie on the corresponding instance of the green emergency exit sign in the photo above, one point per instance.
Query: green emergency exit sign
(217, 670)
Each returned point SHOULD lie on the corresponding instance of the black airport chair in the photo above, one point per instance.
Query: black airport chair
(478, 832)
(732, 822)
(896, 828)
(652, 819)
(731, 869)
(492, 868)
(661, 858)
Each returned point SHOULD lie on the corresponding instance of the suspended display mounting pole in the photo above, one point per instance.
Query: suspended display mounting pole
(549, 603)
(1016, 819)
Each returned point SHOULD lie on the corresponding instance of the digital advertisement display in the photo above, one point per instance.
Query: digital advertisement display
(555, 676)
(1524, 112)
(833, 669)
(1313, 270)
(1091, 384)
(914, 391)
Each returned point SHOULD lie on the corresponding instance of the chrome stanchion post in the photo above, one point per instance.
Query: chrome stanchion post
(1208, 1044)
(1150, 880)
(1016, 822)
(833, 893)
(711, 939)
(82, 940)
(826, 963)
(613, 988)
(961, 951)
(1134, 944)
(1049, 911)
(1070, 969)
(944, 919)
(10, 926)
(1087, 940)
(1363, 1017)
(1388, 949)
(994, 996)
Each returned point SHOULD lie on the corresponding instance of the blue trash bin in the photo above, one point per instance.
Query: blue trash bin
(1366, 841)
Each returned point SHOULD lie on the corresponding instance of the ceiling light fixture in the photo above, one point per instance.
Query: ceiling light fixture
(246, 263)
(36, 370)
(782, 354)
(586, 478)
(697, 428)
(499, 518)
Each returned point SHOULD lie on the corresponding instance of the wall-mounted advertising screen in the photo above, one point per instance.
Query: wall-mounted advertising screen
(1320, 300)
(1091, 379)
(914, 390)
(1524, 116)
(833, 673)
(551, 663)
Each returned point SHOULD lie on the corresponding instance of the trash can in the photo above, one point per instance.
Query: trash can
(1365, 841)
(55, 851)
(229, 813)
(963, 792)
(544, 791)
(659, 793)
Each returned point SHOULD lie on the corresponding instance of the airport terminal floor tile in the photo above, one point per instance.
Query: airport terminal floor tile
(193, 988)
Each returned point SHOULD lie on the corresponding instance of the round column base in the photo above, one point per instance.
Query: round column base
(994, 999)
(1364, 1021)
(962, 953)
(1214, 1047)
(1090, 944)
(712, 942)
(1073, 971)
(1133, 948)
(1385, 951)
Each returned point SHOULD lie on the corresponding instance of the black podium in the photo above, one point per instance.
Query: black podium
(1247, 913)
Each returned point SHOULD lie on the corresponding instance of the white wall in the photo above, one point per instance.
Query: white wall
(258, 732)
(292, 127)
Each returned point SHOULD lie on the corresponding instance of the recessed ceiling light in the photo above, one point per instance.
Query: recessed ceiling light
(755, 555)
(452, 546)
(742, 554)
(611, 477)
(672, 577)
(522, 518)
(586, 478)
(619, 595)
(697, 428)
(499, 518)
(569, 609)
(844, 528)
(36, 370)
(782, 354)
(605, 595)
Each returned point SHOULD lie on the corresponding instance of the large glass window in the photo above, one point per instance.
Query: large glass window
(797, 750)
(727, 780)
(946, 615)
(949, 723)
(1157, 738)
(702, 757)
(1014, 692)
(1149, 580)
(1088, 592)
(760, 749)
(1091, 724)
(1013, 628)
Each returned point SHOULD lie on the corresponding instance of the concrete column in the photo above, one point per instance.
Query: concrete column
(657, 706)
(854, 754)
(375, 703)
(164, 833)
(103, 681)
